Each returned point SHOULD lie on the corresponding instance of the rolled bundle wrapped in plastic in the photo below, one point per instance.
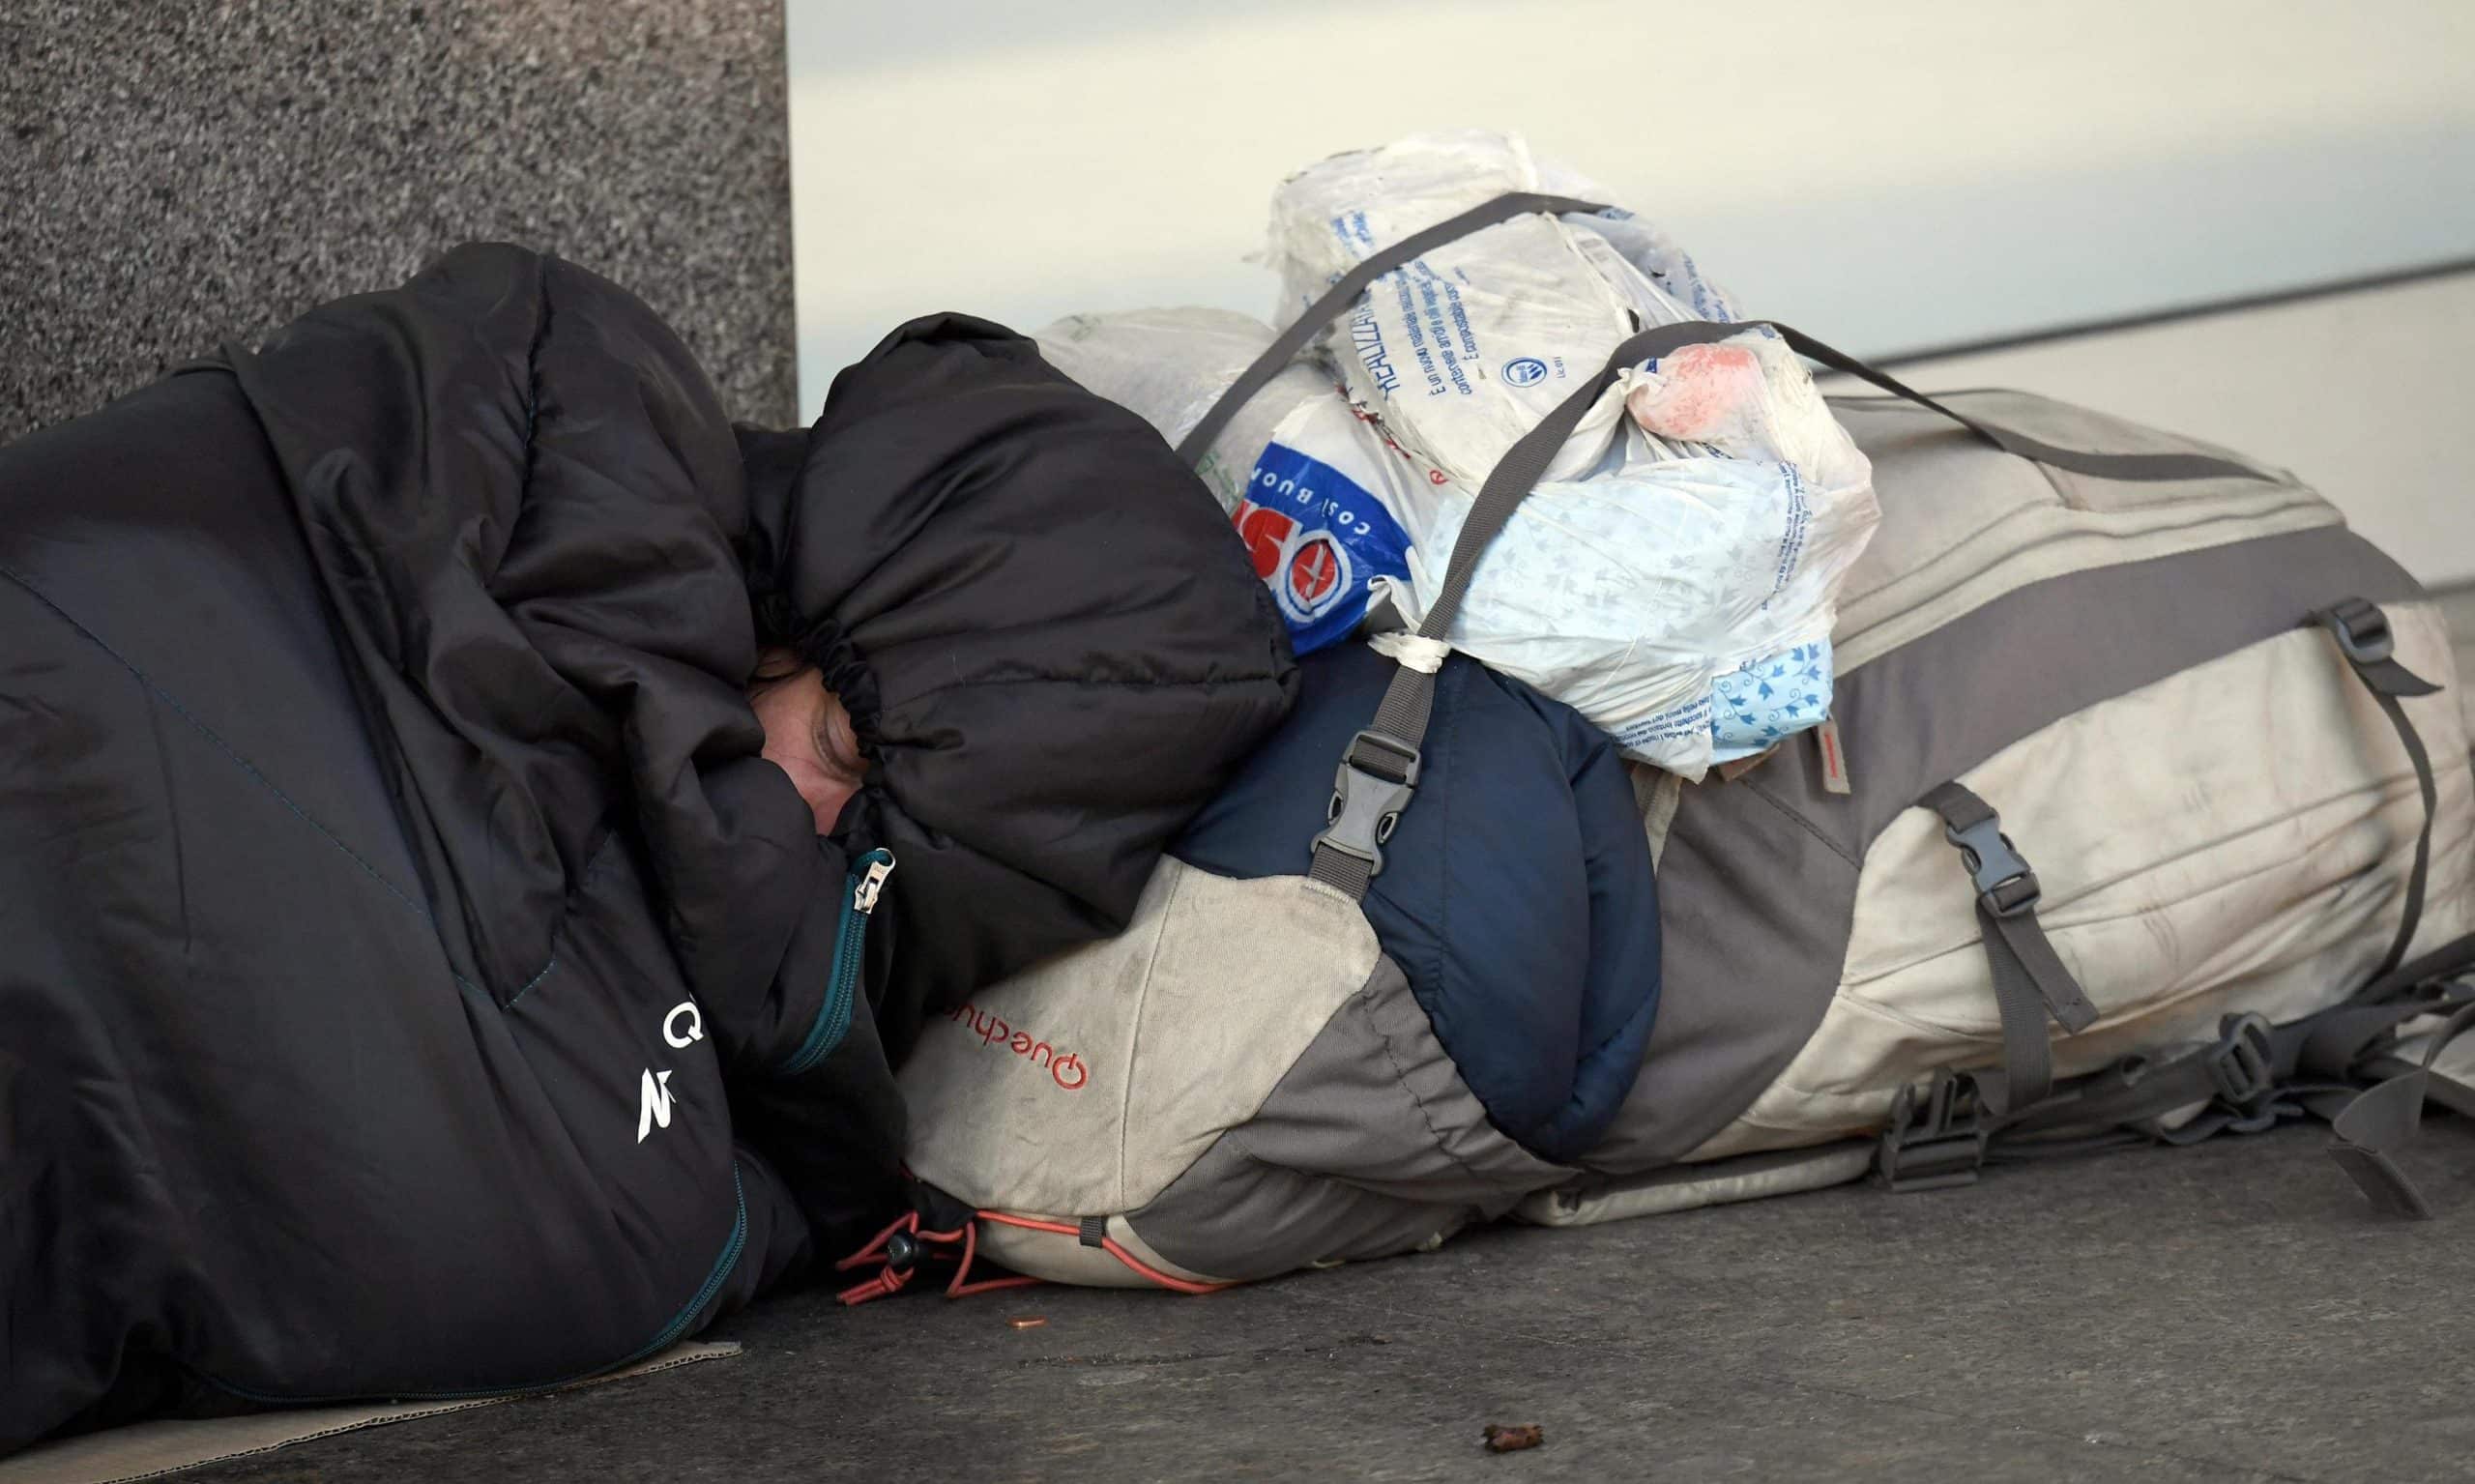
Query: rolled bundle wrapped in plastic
(1674, 575)
(1465, 348)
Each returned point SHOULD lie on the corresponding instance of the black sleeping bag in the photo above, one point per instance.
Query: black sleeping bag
(414, 980)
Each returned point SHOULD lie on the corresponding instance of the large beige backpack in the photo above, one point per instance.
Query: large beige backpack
(2140, 818)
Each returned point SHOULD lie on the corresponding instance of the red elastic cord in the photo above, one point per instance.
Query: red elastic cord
(878, 1287)
(1108, 1244)
(958, 1289)
(908, 1221)
(891, 1280)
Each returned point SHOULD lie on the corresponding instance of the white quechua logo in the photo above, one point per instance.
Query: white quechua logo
(684, 1026)
(654, 1111)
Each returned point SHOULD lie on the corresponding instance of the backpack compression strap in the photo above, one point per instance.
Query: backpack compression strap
(2030, 981)
(2254, 1073)
(1379, 774)
(2363, 636)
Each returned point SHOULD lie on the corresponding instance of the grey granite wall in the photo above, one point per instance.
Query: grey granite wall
(174, 173)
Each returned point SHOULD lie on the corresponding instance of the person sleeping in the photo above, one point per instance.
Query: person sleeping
(807, 734)
(479, 830)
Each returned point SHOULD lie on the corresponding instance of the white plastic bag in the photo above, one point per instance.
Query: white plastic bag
(1673, 577)
(1630, 592)
(1463, 350)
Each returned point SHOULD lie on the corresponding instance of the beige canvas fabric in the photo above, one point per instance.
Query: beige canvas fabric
(1371, 1145)
(1087, 1084)
(1962, 526)
(2188, 870)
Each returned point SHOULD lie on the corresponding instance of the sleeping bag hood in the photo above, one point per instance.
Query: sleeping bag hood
(419, 981)
(1044, 634)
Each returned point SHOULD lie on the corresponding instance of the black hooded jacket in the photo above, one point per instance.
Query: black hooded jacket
(413, 979)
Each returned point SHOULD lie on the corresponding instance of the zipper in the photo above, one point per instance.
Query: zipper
(867, 879)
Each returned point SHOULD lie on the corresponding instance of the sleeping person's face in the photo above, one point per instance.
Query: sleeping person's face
(807, 734)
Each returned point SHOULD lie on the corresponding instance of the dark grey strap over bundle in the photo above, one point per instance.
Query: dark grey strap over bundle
(1379, 774)
(1343, 293)
(2137, 468)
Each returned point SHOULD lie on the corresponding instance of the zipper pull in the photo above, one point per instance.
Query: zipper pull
(865, 896)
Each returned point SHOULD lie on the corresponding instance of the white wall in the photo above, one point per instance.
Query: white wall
(2367, 397)
(1888, 175)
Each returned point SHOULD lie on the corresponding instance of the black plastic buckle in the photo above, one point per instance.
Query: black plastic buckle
(2361, 631)
(2005, 886)
(1937, 1148)
(2242, 1066)
(1366, 805)
(902, 1252)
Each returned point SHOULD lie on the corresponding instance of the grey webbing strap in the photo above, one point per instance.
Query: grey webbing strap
(2335, 1041)
(2028, 1064)
(2376, 1124)
(2242, 1072)
(1344, 291)
(1378, 772)
(2318, 1060)
(2254, 1073)
(2363, 635)
(2367, 1135)
(2448, 961)
(2030, 981)
(2137, 468)
(1343, 294)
